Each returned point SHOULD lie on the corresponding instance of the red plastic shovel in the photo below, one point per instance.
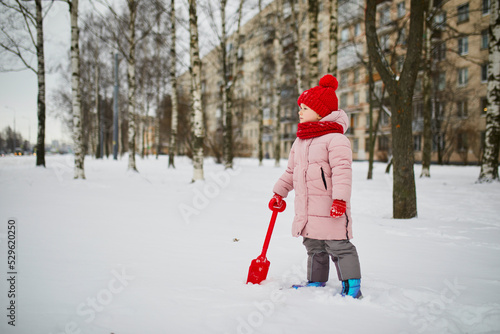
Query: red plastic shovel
(260, 266)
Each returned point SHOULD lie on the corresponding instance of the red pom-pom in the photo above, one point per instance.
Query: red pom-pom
(329, 81)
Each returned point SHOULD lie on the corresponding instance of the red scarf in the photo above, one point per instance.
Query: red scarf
(315, 129)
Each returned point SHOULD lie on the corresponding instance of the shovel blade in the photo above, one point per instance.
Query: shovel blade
(258, 270)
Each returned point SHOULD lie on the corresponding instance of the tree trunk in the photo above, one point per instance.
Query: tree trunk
(231, 59)
(260, 117)
(296, 53)
(99, 150)
(172, 151)
(198, 129)
(333, 39)
(79, 172)
(278, 84)
(132, 87)
(371, 134)
(401, 95)
(40, 145)
(427, 89)
(489, 163)
(227, 119)
(313, 42)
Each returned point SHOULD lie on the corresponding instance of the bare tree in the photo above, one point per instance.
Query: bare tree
(198, 128)
(172, 151)
(401, 96)
(333, 38)
(312, 9)
(278, 81)
(32, 19)
(489, 163)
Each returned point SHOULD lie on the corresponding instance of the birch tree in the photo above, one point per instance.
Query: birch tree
(195, 63)
(79, 171)
(260, 106)
(278, 82)
(32, 19)
(427, 89)
(400, 89)
(489, 163)
(131, 81)
(296, 53)
(333, 38)
(312, 10)
(172, 151)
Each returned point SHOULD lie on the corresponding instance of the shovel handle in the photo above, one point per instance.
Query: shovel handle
(281, 208)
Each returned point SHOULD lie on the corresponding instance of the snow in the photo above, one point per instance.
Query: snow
(125, 252)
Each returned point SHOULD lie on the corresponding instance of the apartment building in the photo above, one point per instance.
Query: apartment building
(459, 56)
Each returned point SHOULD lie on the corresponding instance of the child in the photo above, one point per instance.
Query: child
(319, 169)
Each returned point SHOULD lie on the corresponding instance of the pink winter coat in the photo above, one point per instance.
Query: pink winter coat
(319, 169)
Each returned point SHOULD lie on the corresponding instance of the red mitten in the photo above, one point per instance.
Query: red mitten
(338, 208)
(276, 202)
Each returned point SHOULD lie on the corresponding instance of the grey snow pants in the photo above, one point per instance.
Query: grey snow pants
(343, 254)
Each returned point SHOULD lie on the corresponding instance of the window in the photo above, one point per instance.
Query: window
(439, 111)
(486, 7)
(401, 9)
(441, 81)
(462, 109)
(484, 39)
(418, 111)
(320, 47)
(320, 6)
(383, 143)
(439, 51)
(462, 142)
(438, 142)
(320, 27)
(356, 98)
(484, 73)
(355, 145)
(484, 106)
(303, 35)
(343, 100)
(357, 29)
(344, 35)
(343, 79)
(463, 76)
(402, 37)
(320, 66)
(384, 16)
(463, 45)
(463, 13)
(417, 143)
(384, 42)
(356, 76)
(440, 21)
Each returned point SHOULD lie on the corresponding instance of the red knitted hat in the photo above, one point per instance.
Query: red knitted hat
(322, 99)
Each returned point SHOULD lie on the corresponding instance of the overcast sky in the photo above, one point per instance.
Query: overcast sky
(18, 90)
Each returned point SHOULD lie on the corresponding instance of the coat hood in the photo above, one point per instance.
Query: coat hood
(338, 116)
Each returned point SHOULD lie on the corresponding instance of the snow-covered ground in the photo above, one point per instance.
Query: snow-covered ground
(123, 252)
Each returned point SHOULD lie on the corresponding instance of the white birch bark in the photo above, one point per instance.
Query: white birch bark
(40, 146)
(172, 151)
(313, 42)
(278, 83)
(260, 116)
(198, 128)
(489, 164)
(333, 38)
(296, 54)
(131, 105)
(79, 171)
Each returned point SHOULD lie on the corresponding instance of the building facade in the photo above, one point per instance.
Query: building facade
(458, 57)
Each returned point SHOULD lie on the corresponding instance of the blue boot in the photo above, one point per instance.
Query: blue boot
(309, 284)
(352, 287)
